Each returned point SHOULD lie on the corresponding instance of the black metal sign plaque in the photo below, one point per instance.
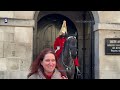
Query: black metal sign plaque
(112, 46)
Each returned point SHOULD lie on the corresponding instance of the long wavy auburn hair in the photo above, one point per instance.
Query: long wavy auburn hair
(36, 64)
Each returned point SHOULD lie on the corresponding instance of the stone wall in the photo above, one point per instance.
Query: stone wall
(109, 65)
(16, 44)
(106, 66)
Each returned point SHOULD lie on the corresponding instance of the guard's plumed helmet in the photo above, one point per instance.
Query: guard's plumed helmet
(63, 28)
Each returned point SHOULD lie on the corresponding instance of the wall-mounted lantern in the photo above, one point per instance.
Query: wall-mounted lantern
(5, 20)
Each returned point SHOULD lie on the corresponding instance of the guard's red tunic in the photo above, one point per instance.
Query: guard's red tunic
(60, 42)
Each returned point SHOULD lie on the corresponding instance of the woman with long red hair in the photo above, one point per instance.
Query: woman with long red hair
(45, 66)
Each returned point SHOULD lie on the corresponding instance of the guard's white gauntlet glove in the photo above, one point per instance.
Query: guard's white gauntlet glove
(58, 48)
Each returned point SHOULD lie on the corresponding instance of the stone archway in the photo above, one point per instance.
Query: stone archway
(96, 19)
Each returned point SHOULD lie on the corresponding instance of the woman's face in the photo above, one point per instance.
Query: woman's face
(49, 63)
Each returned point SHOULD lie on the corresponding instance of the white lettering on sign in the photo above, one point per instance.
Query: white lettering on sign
(114, 50)
(113, 47)
(110, 44)
(113, 41)
(117, 47)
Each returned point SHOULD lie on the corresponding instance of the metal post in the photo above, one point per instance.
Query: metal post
(84, 18)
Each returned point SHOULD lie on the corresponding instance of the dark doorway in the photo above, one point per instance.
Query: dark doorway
(48, 29)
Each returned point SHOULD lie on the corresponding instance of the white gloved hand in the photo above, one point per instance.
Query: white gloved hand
(58, 47)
